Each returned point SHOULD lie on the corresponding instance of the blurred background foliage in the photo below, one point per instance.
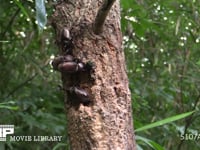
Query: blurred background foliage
(161, 42)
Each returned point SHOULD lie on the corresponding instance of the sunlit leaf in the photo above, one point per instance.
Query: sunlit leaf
(9, 107)
(164, 121)
(177, 25)
(22, 8)
(151, 143)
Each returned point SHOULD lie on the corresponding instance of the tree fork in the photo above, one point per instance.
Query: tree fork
(107, 122)
(101, 15)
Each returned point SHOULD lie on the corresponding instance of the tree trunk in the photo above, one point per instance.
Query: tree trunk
(105, 121)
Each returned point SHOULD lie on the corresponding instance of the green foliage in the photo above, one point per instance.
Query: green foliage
(152, 144)
(164, 121)
(29, 97)
(161, 40)
(9, 105)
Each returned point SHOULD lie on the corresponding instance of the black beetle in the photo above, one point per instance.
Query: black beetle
(66, 41)
(65, 34)
(80, 94)
(60, 59)
(71, 67)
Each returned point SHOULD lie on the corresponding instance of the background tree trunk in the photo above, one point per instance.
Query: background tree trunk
(107, 122)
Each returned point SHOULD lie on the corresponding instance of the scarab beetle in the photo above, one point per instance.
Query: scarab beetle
(71, 67)
(79, 94)
(69, 64)
(60, 59)
(66, 41)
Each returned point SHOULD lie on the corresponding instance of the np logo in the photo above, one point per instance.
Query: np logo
(5, 130)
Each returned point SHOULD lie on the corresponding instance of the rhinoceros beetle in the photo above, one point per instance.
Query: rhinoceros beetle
(78, 71)
(67, 64)
(71, 67)
(66, 41)
(79, 94)
(60, 59)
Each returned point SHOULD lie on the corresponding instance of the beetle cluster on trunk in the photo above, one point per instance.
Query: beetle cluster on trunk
(67, 64)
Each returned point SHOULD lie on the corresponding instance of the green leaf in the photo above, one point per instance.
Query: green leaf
(198, 63)
(22, 8)
(8, 105)
(151, 143)
(9, 102)
(164, 121)
(139, 147)
(41, 13)
(177, 25)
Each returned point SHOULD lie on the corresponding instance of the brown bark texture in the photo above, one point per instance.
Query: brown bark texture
(106, 122)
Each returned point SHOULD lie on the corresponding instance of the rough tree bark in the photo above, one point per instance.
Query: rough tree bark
(106, 122)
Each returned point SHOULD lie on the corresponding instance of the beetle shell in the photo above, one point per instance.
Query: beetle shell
(56, 62)
(66, 34)
(68, 58)
(69, 67)
(66, 41)
(81, 94)
(60, 59)
(81, 66)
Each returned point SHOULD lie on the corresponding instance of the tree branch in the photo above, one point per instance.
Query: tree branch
(101, 16)
(21, 85)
